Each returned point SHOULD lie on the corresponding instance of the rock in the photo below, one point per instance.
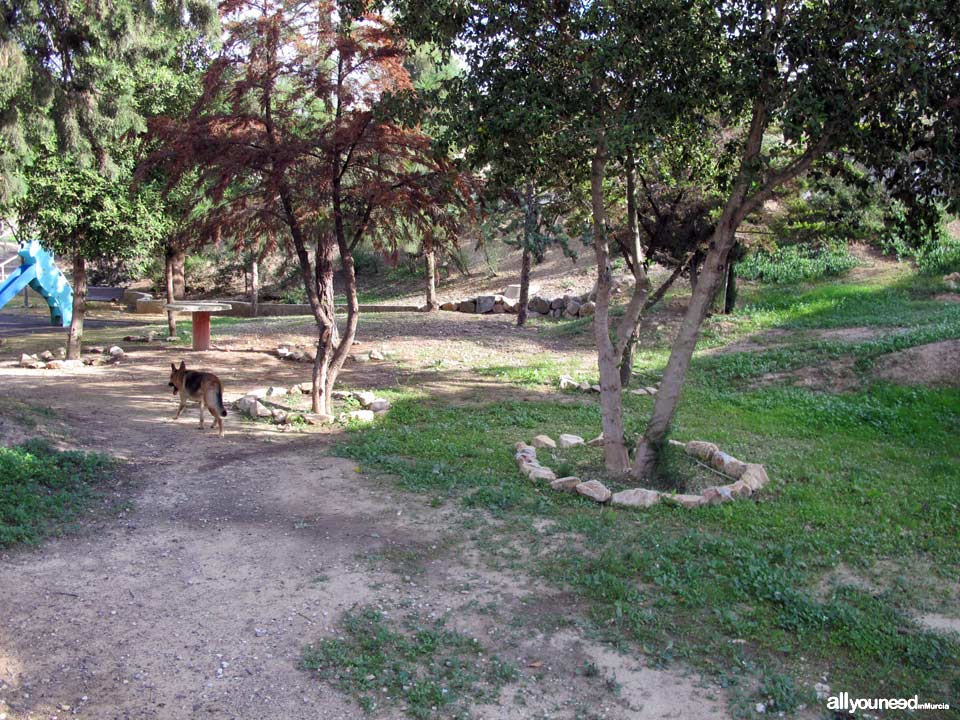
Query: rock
(46, 356)
(305, 388)
(739, 489)
(701, 450)
(527, 467)
(511, 308)
(116, 352)
(596, 442)
(279, 416)
(651, 390)
(636, 497)
(250, 406)
(556, 303)
(341, 394)
(171, 338)
(499, 308)
(572, 309)
(584, 386)
(467, 306)
(359, 416)
(687, 501)
(360, 357)
(365, 397)
(568, 441)
(274, 391)
(54, 365)
(595, 490)
(448, 306)
(538, 304)
(542, 473)
(568, 383)
(596, 388)
(95, 361)
(259, 393)
(639, 391)
(543, 441)
(754, 477)
(952, 280)
(379, 405)
(377, 355)
(30, 361)
(521, 445)
(64, 364)
(317, 418)
(716, 495)
(283, 351)
(566, 484)
(728, 464)
(512, 292)
(96, 349)
(62, 353)
(485, 303)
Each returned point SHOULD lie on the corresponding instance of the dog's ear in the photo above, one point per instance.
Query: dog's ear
(173, 367)
(183, 365)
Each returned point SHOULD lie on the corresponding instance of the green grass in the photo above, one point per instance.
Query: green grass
(42, 490)
(423, 666)
(869, 480)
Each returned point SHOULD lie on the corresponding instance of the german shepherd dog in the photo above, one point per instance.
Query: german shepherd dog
(203, 387)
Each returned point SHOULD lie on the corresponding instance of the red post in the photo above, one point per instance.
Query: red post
(201, 331)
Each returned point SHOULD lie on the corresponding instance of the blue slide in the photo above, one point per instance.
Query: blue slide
(39, 271)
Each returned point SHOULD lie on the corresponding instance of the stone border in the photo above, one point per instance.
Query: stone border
(748, 477)
(256, 404)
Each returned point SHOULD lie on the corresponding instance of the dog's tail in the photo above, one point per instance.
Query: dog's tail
(220, 408)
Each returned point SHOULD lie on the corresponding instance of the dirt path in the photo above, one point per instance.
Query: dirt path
(199, 600)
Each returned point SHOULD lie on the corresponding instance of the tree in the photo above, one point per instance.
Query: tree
(297, 132)
(78, 212)
(785, 82)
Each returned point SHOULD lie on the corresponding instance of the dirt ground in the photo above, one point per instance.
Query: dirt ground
(198, 600)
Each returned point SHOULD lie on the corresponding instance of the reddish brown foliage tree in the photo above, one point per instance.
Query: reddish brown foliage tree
(298, 133)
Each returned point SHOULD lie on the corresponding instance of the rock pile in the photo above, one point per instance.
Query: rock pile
(255, 404)
(748, 477)
(569, 383)
(48, 361)
(567, 306)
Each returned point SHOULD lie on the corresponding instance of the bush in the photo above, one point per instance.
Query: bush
(939, 258)
(794, 263)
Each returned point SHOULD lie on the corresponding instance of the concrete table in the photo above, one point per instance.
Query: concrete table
(201, 319)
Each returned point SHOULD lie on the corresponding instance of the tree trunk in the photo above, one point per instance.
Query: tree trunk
(431, 258)
(524, 287)
(615, 454)
(75, 336)
(665, 405)
(326, 326)
(179, 278)
(254, 287)
(171, 294)
(730, 295)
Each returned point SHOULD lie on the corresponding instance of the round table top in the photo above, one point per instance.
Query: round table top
(187, 306)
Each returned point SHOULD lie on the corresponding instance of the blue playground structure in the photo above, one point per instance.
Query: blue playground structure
(38, 270)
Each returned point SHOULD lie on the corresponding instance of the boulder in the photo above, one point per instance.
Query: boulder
(250, 406)
(701, 450)
(754, 477)
(566, 484)
(379, 405)
(716, 495)
(317, 418)
(499, 308)
(99, 349)
(556, 303)
(538, 304)
(30, 361)
(275, 391)
(305, 388)
(365, 397)
(47, 356)
(521, 445)
(739, 489)
(569, 441)
(259, 393)
(568, 383)
(467, 306)
(727, 464)
(596, 388)
(651, 390)
(448, 306)
(485, 303)
(341, 394)
(639, 391)
(573, 309)
(596, 442)
(636, 497)
(95, 361)
(283, 351)
(116, 352)
(543, 441)
(542, 473)
(62, 353)
(360, 357)
(377, 355)
(359, 416)
(595, 490)
(64, 364)
(512, 292)
(584, 386)
(687, 501)
(280, 417)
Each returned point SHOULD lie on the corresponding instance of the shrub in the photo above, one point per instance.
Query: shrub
(794, 263)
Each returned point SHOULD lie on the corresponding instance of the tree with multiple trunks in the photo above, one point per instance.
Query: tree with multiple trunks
(785, 83)
(300, 132)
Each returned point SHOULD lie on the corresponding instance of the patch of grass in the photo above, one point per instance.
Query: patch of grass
(794, 263)
(43, 489)
(425, 668)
